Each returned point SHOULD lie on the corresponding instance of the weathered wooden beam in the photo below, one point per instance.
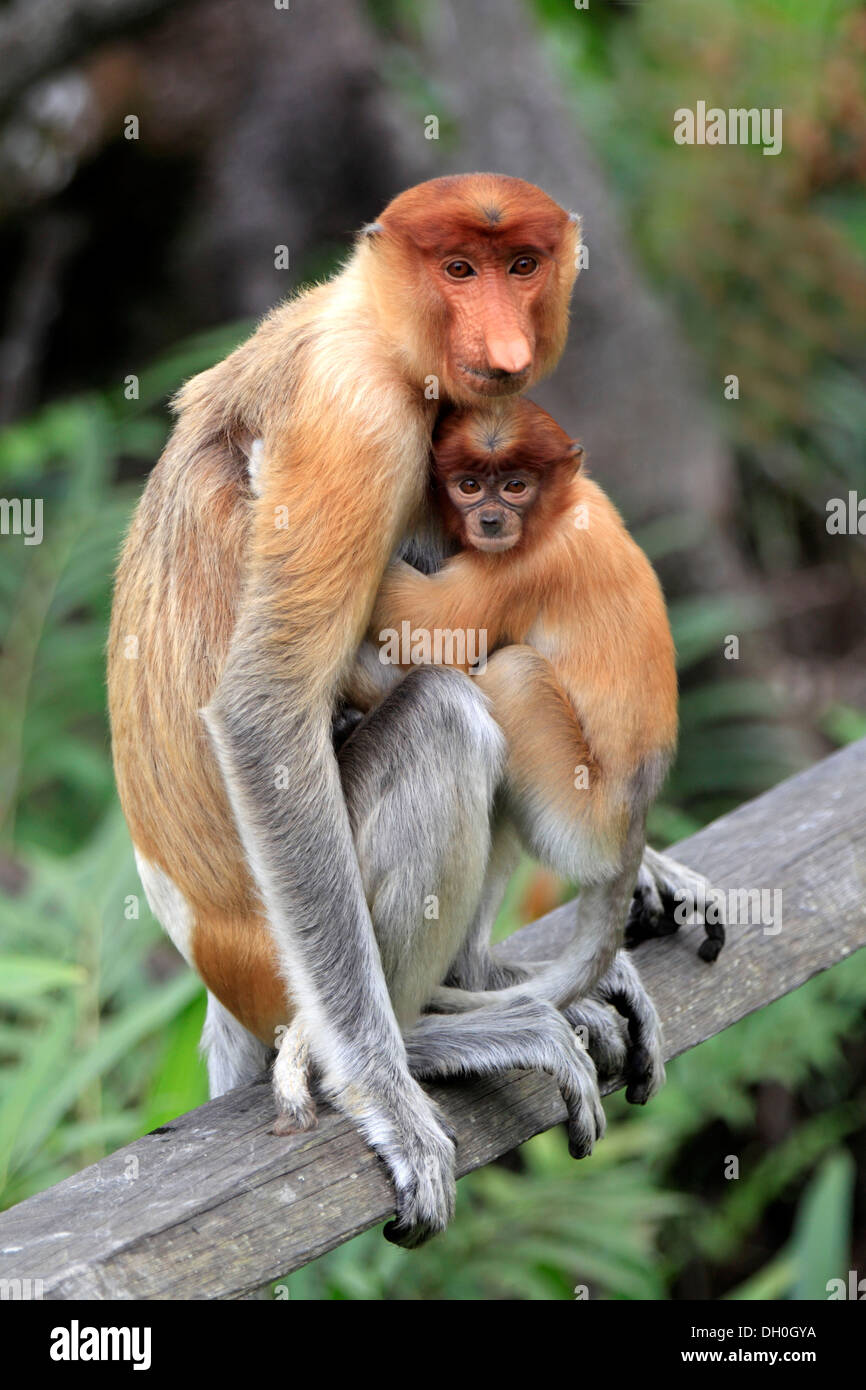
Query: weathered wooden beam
(213, 1205)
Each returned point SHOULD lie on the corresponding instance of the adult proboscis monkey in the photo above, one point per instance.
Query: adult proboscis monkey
(296, 885)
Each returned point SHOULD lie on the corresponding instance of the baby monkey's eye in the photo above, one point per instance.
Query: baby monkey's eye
(515, 486)
(459, 270)
(524, 265)
(470, 487)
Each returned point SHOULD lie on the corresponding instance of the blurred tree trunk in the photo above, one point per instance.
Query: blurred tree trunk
(311, 151)
(39, 36)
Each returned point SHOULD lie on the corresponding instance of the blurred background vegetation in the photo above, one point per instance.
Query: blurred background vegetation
(150, 258)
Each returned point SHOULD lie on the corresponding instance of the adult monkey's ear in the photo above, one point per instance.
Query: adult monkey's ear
(576, 453)
(579, 260)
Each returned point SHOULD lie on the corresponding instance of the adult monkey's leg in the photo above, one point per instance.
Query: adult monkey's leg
(234, 1055)
(418, 776)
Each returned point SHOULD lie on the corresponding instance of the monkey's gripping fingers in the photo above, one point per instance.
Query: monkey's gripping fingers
(669, 895)
(419, 1154)
(296, 1109)
(577, 1079)
(644, 1069)
(541, 1037)
(604, 1034)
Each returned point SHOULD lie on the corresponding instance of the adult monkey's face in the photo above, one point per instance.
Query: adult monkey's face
(472, 275)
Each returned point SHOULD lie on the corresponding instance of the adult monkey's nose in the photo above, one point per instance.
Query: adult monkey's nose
(507, 352)
(505, 343)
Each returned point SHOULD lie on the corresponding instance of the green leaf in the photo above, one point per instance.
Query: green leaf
(770, 1283)
(822, 1230)
(24, 976)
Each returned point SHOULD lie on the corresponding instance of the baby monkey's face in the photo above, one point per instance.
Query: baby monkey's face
(492, 507)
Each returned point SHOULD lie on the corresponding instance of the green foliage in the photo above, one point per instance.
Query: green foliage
(764, 257)
(821, 1232)
(818, 1249)
(84, 1033)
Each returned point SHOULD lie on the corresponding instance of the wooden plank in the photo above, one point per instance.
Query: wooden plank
(213, 1205)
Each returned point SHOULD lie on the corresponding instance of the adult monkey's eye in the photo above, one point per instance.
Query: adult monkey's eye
(515, 486)
(524, 265)
(470, 487)
(459, 270)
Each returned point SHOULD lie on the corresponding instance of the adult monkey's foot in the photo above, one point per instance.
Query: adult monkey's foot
(644, 1069)
(620, 1028)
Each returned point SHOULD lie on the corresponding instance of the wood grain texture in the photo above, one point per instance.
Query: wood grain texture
(213, 1205)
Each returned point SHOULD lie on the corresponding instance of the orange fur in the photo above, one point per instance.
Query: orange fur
(488, 220)
(236, 958)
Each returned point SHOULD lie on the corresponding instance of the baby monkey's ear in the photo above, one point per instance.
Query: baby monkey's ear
(576, 454)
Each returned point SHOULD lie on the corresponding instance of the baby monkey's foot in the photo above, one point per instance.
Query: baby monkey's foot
(296, 1109)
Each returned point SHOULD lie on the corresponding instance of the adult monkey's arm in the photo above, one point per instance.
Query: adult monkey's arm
(318, 548)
